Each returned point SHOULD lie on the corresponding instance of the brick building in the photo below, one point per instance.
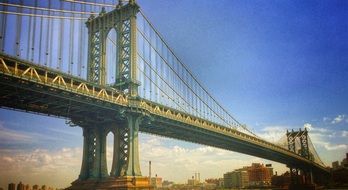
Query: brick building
(259, 175)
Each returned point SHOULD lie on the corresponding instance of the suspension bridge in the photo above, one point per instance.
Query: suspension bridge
(105, 68)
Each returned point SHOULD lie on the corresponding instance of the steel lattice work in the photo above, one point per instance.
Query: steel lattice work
(300, 143)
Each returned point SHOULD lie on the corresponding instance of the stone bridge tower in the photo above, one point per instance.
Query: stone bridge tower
(125, 172)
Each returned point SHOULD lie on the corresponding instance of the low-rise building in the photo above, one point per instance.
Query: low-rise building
(259, 175)
(344, 162)
(281, 181)
(192, 182)
(236, 179)
(156, 182)
(335, 165)
(167, 184)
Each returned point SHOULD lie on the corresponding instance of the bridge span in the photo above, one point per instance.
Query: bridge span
(151, 91)
(29, 87)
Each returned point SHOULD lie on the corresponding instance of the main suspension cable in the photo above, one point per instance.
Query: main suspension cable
(47, 9)
(44, 16)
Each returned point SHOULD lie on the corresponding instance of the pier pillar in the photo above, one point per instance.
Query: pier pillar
(94, 153)
(125, 171)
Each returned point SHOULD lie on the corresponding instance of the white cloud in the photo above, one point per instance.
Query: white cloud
(338, 119)
(329, 146)
(344, 133)
(40, 166)
(308, 126)
(8, 135)
(314, 129)
(209, 161)
(273, 133)
(320, 137)
(325, 119)
(59, 168)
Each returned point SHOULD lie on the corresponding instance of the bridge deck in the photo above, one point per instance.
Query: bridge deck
(29, 87)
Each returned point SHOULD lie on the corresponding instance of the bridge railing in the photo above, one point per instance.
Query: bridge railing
(26, 71)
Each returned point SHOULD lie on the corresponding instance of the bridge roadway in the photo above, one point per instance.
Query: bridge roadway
(33, 88)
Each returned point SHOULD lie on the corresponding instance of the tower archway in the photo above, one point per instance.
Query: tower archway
(111, 56)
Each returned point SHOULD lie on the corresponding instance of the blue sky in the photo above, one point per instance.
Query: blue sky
(275, 65)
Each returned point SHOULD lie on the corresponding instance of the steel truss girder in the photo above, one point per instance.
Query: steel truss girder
(53, 103)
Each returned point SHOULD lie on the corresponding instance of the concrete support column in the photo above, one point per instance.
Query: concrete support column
(126, 147)
(133, 168)
(103, 173)
(305, 175)
(94, 153)
(84, 167)
(95, 163)
(120, 150)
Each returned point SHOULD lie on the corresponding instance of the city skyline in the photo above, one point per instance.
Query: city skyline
(276, 67)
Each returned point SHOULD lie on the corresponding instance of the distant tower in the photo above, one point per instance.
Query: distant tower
(302, 136)
(149, 172)
(35, 187)
(11, 186)
(20, 186)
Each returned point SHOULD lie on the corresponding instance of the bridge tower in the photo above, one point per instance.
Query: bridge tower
(125, 171)
(294, 139)
(123, 20)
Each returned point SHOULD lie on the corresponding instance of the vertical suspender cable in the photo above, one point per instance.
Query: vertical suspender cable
(85, 44)
(29, 35)
(33, 36)
(80, 50)
(18, 29)
(71, 41)
(157, 79)
(95, 7)
(40, 42)
(150, 72)
(48, 33)
(3, 29)
(60, 39)
(50, 63)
